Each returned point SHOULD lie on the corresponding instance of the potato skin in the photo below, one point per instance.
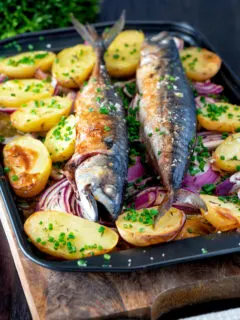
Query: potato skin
(195, 226)
(24, 65)
(200, 64)
(29, 165)
(141, 235)
(14, 93)
(227, 154)
(123, 55)
(79, 232)
(74, 65)
(220, 116)
(41, 116)
(223, 216)
(62, 147)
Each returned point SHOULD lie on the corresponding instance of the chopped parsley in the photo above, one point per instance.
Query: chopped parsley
(82, 263)
(107, 256)
(199, 157)
(14, 177)
(146, 216)
(208, 188)
(107, 128)
(101, 230)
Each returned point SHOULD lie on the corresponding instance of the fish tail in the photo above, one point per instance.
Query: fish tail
(89, 33)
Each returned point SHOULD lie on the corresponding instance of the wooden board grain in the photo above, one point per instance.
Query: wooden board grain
(145, 294)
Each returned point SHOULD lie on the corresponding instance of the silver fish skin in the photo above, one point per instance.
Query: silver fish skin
(167, 112)
(98, 168)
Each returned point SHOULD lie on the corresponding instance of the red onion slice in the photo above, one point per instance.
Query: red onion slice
(195, 183)
(211, 139)
(60, 196)
(149, 197)
(7, 110)
(55, 188)
(3, 78)
(200, 104)
(60, 90)
(229, 186)
(207, 87)
(136, 171)
(41, 75)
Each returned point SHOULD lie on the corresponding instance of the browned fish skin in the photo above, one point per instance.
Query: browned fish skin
(98, 168)
(167, 111)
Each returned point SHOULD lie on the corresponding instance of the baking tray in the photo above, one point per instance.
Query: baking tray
(137, 258)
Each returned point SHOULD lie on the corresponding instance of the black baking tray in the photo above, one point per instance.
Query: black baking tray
(137, 258)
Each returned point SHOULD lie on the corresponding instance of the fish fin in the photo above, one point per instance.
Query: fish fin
(188, 197)
(89, 33)
(165, 206)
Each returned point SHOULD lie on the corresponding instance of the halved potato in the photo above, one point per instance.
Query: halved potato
(123, 55)
(74, 65)
(227, 154)
(41, 115)
(220, 116)
(222, 215)
(66, 236)
(195, 226)
(13, 93)
(200, 64)
(28, 164)
(141, 234)
(60, 140)
(24, 65)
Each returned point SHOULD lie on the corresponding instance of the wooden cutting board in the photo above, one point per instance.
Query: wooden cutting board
(55, 295)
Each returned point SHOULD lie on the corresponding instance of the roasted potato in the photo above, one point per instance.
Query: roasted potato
(222, 215)
(220, 116)
(14, 93)
(41, 115)
(123, 55)
(227, 154)
(60, 140)
(144, 234)
(24, 65)
(74, 65)
(66, 236)
(195, 226)
(200, 64)
(28, 165)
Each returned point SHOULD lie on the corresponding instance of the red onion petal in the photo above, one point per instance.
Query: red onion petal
(207, 87)
(3, 78)
(7, 110)
(224, 188)
(200, 104)
(149, 197)
(195, 183)
(136, 171)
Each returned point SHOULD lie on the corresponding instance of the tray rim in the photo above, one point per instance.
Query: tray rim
(12, 211)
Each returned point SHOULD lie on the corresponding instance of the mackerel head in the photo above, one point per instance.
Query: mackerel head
(98, 168)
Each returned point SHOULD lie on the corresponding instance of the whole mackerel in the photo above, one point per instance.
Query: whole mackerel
(98, 168)
(167, 114)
